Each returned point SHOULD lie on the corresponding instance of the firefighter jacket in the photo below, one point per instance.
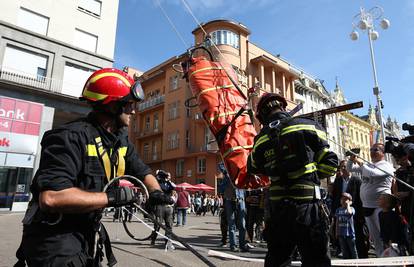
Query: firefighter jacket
(79, 154)
(294, 153)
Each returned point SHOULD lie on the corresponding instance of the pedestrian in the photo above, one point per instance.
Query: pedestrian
(164, 212)
(63, 218)
(394, 227)
(183, 204)
(361, 235)
(340, 185)
(235, 211)
(374, 183)
(345, 231)
(294, 153)
(197, 203)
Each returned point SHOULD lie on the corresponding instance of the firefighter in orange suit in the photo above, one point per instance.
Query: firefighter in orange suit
(294, 153)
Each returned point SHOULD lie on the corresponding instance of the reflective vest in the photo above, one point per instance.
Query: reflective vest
(114, 162)
(295, 155)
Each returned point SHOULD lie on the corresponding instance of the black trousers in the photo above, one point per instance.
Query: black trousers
(163, 214)
(302, 225)
(224, 227)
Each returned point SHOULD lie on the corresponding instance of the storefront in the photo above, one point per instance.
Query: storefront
(20, 123)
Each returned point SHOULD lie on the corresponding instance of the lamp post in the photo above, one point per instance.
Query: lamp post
(365, 21)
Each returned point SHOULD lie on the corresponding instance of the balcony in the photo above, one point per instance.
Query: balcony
(150, 132)
(212, 147)
(151, 103)
(151, 157)
(39, 82)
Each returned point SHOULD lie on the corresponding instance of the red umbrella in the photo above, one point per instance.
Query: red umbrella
(203, 187)
(187, 186)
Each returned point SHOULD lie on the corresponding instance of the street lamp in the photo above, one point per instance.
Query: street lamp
(365, 21)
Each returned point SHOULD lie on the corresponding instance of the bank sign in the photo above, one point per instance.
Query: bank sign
(19, 125)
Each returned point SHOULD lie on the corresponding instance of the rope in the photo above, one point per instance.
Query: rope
(158, 3)
(152, 228)
(376, 167)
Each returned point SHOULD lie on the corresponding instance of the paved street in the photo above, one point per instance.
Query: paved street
(202, 232)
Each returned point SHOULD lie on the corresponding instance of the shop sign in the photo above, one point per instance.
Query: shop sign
(19, 125)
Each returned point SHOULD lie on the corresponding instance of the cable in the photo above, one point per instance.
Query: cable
(171, 23)
(367, 161)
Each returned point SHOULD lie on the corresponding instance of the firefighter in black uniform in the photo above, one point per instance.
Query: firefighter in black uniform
(77, 159)
(294, 153)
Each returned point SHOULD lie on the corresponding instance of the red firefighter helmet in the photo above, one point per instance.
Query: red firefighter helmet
(109, 84)
(267, 103)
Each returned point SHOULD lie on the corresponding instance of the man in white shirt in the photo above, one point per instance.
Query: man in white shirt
(374, 183)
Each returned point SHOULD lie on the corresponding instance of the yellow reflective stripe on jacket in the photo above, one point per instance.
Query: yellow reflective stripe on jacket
(203, 69)
(260, 141)
(309, 168)
(121, 161)
(326, 169)
(91, 150)
(234, 149)
(203, 91)
(321, 154)
(303, 127)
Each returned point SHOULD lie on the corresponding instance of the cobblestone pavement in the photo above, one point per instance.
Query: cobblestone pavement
(201, 232)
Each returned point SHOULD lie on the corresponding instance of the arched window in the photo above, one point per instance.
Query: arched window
(225, 37)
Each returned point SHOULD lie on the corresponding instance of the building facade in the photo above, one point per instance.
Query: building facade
(170, 136)
(313, 96)
(48, 48)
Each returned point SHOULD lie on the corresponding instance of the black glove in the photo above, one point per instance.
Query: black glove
(158, 197)
(120, 196)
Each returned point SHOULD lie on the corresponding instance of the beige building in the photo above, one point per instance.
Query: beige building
(172, 137)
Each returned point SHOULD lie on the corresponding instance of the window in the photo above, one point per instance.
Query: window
(32, 21)
(154, 151)
(25, 62)
(91, 6)
(173, 110)
(173, 140)
(156, 122)
(174, 83)
(85, 40)
(225, 37)
(201, 165)
(74, 78)
(145, 153)
(147, 122)
(179, 167)
(187, 139)
(206, 136)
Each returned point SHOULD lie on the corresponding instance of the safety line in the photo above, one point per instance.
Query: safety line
(388, 261)
(152, 228)
(374, 166)
(171, 23)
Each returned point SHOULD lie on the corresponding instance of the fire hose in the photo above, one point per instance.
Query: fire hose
(154, 220)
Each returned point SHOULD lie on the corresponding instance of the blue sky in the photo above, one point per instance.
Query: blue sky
(311, 34)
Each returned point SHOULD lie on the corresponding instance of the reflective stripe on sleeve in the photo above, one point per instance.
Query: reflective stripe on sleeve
(303, 127)
(309, 168)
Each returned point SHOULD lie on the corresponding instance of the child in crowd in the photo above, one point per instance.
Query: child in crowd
(345, 232)
(393, 225)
